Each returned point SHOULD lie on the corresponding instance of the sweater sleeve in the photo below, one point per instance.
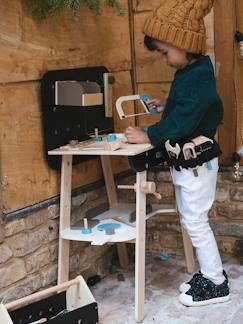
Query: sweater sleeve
(193, 99)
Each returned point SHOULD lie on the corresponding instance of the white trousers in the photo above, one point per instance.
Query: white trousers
(195, 196)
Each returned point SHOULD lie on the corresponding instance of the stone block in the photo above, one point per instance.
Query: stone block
(53, 248)
(222, 193)
(167, 193)
(25, 243)
(167, 239)
(150, 176)
(226, 244)
(227, 229)
(236, 194)
(163, 176)
(79, 200)
(23, 288)
(37, 260)
(5, 253)
(231, 210)
(96, 194)
(239, 249)
(225, 177)
(53, 211)
(11, 272)
(14, 227)
(74, 263)
(165, 223)
(49, 275)
(36, 219)
(2, 234)
(53, 227)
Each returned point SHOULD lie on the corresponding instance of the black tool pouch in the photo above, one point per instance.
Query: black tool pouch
(205, 152)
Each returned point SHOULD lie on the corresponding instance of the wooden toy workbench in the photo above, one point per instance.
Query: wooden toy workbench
(119, 210)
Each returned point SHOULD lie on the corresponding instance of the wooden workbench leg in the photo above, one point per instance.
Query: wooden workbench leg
(112, 198)
(140, 247)
(65, 211)
(189, 253)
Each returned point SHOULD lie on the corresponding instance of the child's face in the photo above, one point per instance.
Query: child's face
(172, 55)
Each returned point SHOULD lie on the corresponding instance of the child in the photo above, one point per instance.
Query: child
(193, 108)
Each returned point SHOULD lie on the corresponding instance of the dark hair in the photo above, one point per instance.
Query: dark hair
(150, 43)
(193, 56)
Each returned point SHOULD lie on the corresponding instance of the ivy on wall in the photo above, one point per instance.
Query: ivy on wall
(43, 8)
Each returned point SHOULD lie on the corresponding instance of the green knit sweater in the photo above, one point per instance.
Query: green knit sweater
(193, 107)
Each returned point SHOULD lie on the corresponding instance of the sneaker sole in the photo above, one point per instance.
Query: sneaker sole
(184, 287)
(187, 302)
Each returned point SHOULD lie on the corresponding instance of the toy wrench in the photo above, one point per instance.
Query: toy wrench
(173, 151)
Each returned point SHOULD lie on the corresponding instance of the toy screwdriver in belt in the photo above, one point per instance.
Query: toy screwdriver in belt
(191, 150)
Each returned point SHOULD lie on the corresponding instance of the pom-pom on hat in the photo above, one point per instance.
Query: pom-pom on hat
(180, 23)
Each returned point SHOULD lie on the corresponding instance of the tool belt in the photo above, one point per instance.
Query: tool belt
(193, 153)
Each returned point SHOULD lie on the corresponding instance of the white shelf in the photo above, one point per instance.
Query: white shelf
(119, 214)
(122, 211)
(97, 237)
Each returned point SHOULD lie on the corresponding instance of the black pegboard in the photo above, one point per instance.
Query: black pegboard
(64, 123)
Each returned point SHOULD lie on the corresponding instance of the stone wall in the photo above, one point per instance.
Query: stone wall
(29, 244)
(226, 217)
(29, 248)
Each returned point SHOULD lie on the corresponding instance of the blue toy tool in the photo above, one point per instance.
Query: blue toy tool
(86, 229)
(153, 110)
(103, 227)
(164, 256)
(111, 138)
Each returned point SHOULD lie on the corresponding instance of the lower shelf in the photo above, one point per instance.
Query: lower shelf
(122, 211)
(118, 214)
(97, 237)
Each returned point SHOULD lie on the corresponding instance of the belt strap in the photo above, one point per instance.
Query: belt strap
(194, 153)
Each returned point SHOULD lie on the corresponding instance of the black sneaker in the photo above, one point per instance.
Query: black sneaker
(204, 292)
(185, 286)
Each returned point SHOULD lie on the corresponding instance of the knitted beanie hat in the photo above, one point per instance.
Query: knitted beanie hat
(180, 23)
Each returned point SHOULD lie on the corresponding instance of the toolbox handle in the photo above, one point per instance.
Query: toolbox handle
(43, 293)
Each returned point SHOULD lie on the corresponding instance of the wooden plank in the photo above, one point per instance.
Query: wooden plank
(209, 23)
(109, 180)
(149, 65)
(22, 162)
(65, 210)
(239, 77)
(140, 247)
(28, 48)
(188, 250)
(112, 198)
(224, 53)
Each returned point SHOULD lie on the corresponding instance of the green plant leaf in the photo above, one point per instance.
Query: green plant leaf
(43, 8)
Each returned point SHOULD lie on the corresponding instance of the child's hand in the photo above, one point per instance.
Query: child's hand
(159, 104)
(136, 135)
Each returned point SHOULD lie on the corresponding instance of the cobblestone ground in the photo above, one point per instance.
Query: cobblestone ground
(116, 298)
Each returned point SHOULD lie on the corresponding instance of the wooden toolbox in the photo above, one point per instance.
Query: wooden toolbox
(68, 303)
